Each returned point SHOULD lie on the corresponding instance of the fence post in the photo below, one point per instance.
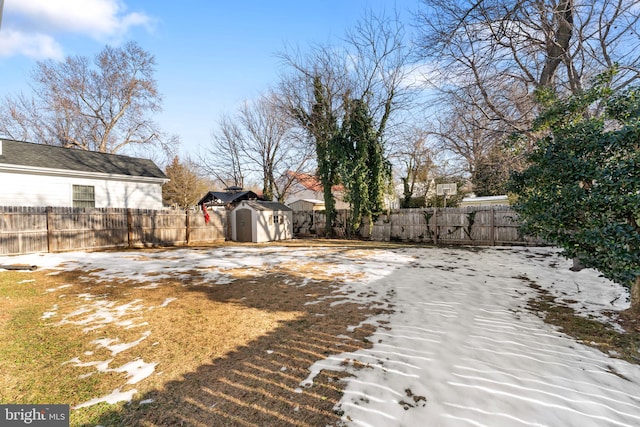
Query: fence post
(49, 220)
(493, 226)
(435, 225)
(129, 228)
(187, 231)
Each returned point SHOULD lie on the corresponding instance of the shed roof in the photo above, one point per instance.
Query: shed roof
(29, 154)
(261, 205)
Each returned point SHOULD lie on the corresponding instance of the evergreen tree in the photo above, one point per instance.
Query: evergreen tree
(582, 190)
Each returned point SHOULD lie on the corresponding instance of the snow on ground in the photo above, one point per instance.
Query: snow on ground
(462, 350)
(459, 349)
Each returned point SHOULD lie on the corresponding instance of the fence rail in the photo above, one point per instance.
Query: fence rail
(473, 225)
(46, 229)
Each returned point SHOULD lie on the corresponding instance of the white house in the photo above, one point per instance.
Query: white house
(259, 221)
(307, 205)
(44, 175)
(485, 201)
(308, 187)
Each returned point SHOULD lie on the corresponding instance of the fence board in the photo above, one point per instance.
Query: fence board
(39, 229)
(475, 225)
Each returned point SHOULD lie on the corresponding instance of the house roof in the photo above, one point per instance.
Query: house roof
(225, 197)
(261, 205)
(31, 155)
(311, 182)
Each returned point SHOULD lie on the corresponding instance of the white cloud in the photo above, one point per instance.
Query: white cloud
(97, 18)
(32, 25)
(37, 46)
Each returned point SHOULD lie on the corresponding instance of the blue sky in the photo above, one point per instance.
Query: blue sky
(211, 55)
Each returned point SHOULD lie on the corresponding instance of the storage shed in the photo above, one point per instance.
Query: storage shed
(260, 221)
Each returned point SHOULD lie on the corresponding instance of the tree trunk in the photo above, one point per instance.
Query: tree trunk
(577, 265)
(635, 297)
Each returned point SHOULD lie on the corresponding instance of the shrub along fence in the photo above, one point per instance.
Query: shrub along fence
(473, 225)
(46, 229)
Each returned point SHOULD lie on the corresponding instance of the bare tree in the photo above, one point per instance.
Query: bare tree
(528, 44)
(369, 70)
(416, 154)
(222, 159)
(497, 57)
(258, 140)
(103, 105)
(271, 146)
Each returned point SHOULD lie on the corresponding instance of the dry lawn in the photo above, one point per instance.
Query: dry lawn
(227, 354)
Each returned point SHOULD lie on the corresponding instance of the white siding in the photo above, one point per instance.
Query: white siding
(298, 191)
(22, 189)
(265, 229)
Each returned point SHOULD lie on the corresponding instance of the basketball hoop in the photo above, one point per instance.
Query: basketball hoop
(445, 190)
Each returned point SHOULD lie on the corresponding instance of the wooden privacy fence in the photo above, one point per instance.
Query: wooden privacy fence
(46, 229)
(473, 225)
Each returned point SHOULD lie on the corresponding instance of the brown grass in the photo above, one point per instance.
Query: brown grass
(589, 331)
(227, 354)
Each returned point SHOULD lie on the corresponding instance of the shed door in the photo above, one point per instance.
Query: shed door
(243, 224)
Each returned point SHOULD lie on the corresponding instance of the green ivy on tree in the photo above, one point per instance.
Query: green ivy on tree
(582, 188)
(322, 126)
(364, 170)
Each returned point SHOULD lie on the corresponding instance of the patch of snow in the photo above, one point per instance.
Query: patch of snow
(136, 370)
(166, 302)
(57, 288)
(114, 397)
(50, 314)
(119, 348)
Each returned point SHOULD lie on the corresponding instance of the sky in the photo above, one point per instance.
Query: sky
(211, 55)
(454, 344)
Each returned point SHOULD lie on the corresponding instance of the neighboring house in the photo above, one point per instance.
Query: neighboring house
(307, 205)
(308, 187)
(485, 201)
(45, 175)
(261, 221)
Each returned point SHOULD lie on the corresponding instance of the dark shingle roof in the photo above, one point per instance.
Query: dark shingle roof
(51, 157)
(223, 198)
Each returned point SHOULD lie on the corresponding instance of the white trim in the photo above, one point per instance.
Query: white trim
(79, 174)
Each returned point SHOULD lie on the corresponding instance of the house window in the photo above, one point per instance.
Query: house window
(84, 196)
(276, 219)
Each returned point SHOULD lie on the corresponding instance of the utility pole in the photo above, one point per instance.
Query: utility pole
(1, 7)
